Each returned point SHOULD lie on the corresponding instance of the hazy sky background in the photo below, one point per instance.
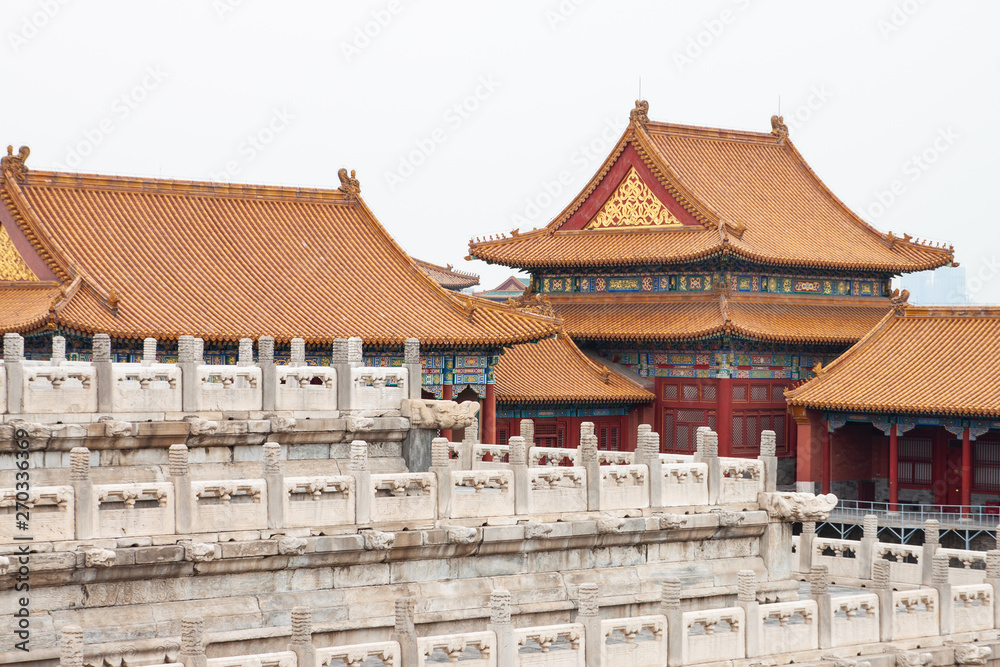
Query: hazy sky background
(261, 91)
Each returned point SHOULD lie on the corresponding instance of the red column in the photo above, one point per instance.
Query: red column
(724, 416)
(966, 467)
(893, 468)
(827, 456)
(447, 394)
(808, 446)
(489, 424)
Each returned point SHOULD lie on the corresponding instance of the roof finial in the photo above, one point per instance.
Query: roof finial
(778, 128)
(640, 114)
(15, 163)
(349, 185)
(899, 301)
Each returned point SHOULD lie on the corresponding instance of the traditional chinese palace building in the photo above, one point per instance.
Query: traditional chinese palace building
(911, 413)
(84, 254)
(717, 264)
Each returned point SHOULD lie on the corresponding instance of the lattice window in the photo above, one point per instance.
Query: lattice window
(670, 392)
(689, 392)
(778, 393)
(740, 392)
(683, 437)
(779, 431)
(711, 420)
(916, 461)
(550, 434)
(758, 393)
(668, 431)
(738, 442)
(708, 392)
(986, 465)
(503, 434)
(751, 436)
(691, 415)
(608, 437)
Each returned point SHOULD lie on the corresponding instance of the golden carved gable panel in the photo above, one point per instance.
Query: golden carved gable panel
(633, 204)
(12, 266)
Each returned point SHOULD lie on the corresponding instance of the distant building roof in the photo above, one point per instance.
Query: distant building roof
(447, 276)
(508, 289)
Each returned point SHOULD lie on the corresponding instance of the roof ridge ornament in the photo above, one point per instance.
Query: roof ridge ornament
(778, 128)
(899, 301)
(15, 163)
(349, 184)
(640, 114)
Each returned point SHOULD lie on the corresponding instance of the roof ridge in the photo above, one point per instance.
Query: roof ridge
(718, 133)
(24, 215)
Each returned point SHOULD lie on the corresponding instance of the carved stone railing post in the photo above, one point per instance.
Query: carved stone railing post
(338, 360)
(268, 373)
(649, 456)
(588, 615)
(58, 350)
(179, 473)
(869, 538)
(188, 360)
(528, 432)
(518, 459)
(588, 459)
(297, 352)
(941, 564)
(301, 643)
(501, 626)
(993, 579)
(101, 359)
(471, 434)
(670, 606)
(414, 370)
(882, 587)
(275, 481)
(193, 642)
(768, 457)
(746, 599)
(806, 546)
(13, 361)
(405, 632)
(148, 351)
(708, 453)
(358, 468)
(71, 646)
(586, 428)
(245, 355)
(932, 542)
(83, 493)
(441, 469)
(819, 590)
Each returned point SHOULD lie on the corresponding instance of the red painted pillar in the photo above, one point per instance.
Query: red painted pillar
(447, 394)
(893, 468)
(966, 467)
(808, 447)
(490, 416)
(724, 416)
(827, 456)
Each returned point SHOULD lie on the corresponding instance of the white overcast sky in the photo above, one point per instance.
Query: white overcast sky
(178, 88)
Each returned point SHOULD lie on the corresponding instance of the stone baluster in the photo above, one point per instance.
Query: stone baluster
(882, 587)
(501, 626)
(819, 590)
(586, 428)
(588, 614)
(199, 351)
(100, 357)
(193, 642)
(297, 352)
(245, 356)
(405, 632)
(670, 606)
(708, 453)
(275, 481)
(769, 459)
(301, 643)
(746, 599)
(179, 473)
(71, 646)
(414, 369)
(358, 468)
(471, 434)
(806, 538)
(83, 493)
(148, 351)
(587, 457)
(355, 352)
(993, 579)
(932, 542)
(268, 372)
(648, 454)
(528, 432)
(869, 538)
(442, 470)
(338, 360)
(58, 350)
(940, 567)
(188, 360)
(522, 482)
(643, 428)
(13, 362)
